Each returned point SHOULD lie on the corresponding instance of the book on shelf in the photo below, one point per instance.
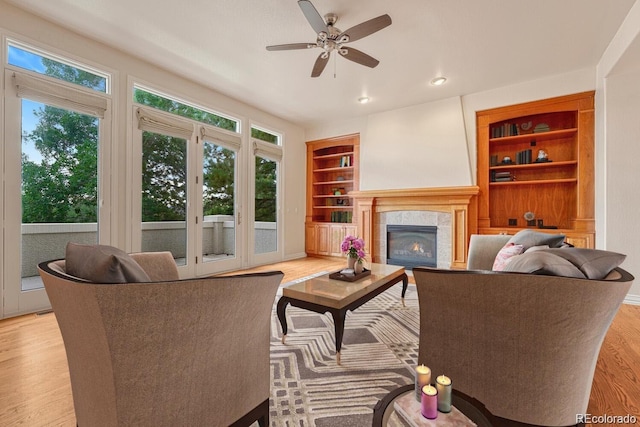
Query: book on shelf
(500, 176)
(345, 161)
(341, 216)
(523, 157)
(506, 129)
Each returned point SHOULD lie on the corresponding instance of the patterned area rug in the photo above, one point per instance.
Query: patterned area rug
(379, 351)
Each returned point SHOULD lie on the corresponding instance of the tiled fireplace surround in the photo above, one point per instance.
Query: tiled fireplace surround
(452, 209)
(442, 220)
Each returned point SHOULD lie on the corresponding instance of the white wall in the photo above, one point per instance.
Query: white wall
(413, 147)
(416, 147)
(618, 151)
(28, 28)
(621, 174)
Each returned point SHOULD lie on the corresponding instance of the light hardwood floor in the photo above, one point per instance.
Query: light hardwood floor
(35, 388)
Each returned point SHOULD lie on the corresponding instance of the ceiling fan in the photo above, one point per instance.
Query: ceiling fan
(330, 38)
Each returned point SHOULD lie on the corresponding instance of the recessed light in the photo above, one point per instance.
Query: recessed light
(363, 100)
(438, 81)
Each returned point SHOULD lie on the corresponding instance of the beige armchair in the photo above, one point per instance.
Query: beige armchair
(191, 352)
(524, 345)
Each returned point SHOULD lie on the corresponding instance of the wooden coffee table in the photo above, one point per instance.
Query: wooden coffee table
(322, 294)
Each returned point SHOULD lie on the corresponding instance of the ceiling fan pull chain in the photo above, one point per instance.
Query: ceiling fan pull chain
(334, 66)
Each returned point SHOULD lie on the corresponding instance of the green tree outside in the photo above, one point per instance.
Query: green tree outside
(266, 181)
(63, 187)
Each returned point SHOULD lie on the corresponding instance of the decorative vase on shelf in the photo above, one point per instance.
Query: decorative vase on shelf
(359, 267)
(351, 262)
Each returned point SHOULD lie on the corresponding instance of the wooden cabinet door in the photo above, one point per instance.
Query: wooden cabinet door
(581, 240)
(323, 238)
(310, 239)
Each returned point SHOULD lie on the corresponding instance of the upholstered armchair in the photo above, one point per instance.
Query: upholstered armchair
(525, 345)
(192, 352)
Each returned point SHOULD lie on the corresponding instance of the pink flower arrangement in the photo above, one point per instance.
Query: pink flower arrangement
(354, 247)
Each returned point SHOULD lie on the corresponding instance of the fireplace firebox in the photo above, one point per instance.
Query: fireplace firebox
(412, 245)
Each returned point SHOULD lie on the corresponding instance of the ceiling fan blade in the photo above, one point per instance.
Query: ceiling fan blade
(291, 46)
(321, 62)
(367, 27)
(359, 57)
(312, 15)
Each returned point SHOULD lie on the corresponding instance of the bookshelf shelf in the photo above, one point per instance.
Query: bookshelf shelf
(536, 182)
(345, 183)
(535, 165)
(336, 169)
(540, 136)
(339, 208)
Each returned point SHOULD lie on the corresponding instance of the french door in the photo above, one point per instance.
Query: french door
(218, 247)
(187, 203)
(51, 194)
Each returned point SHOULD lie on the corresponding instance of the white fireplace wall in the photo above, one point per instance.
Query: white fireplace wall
(441, 220)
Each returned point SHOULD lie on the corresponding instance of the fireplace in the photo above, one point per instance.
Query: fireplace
(412, 245)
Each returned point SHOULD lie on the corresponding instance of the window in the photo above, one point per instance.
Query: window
(268, 153)
(57, 120)
(164, 103)
(42, 63)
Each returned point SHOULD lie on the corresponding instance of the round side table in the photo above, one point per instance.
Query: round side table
(384, 413)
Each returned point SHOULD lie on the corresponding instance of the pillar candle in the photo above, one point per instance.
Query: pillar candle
(423, 377)
(429, 403)
(443, 384)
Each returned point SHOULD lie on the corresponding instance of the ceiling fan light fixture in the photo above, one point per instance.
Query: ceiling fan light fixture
(438, 81)
(363, 99)
(330, 38)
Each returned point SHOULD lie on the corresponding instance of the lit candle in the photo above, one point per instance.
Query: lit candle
(423, 377)
(443, 384)
(429, 403)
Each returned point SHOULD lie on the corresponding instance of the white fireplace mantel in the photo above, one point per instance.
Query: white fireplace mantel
(460, 202)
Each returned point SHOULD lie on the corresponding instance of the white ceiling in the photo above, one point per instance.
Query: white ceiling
(477, 44)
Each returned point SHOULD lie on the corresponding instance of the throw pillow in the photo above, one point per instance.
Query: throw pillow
(507, 252)
(529, 238)
(594, 263)
(102, 264)
(543, 262)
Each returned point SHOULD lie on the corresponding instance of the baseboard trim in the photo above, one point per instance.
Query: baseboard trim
(632, 299)
(291, 257)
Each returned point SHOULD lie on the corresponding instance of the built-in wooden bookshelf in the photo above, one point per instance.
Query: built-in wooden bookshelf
(332, 172)
(538, 157)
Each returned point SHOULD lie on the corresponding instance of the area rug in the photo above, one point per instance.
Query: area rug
(379, 351)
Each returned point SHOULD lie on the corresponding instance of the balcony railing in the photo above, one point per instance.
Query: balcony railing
(41, 242)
